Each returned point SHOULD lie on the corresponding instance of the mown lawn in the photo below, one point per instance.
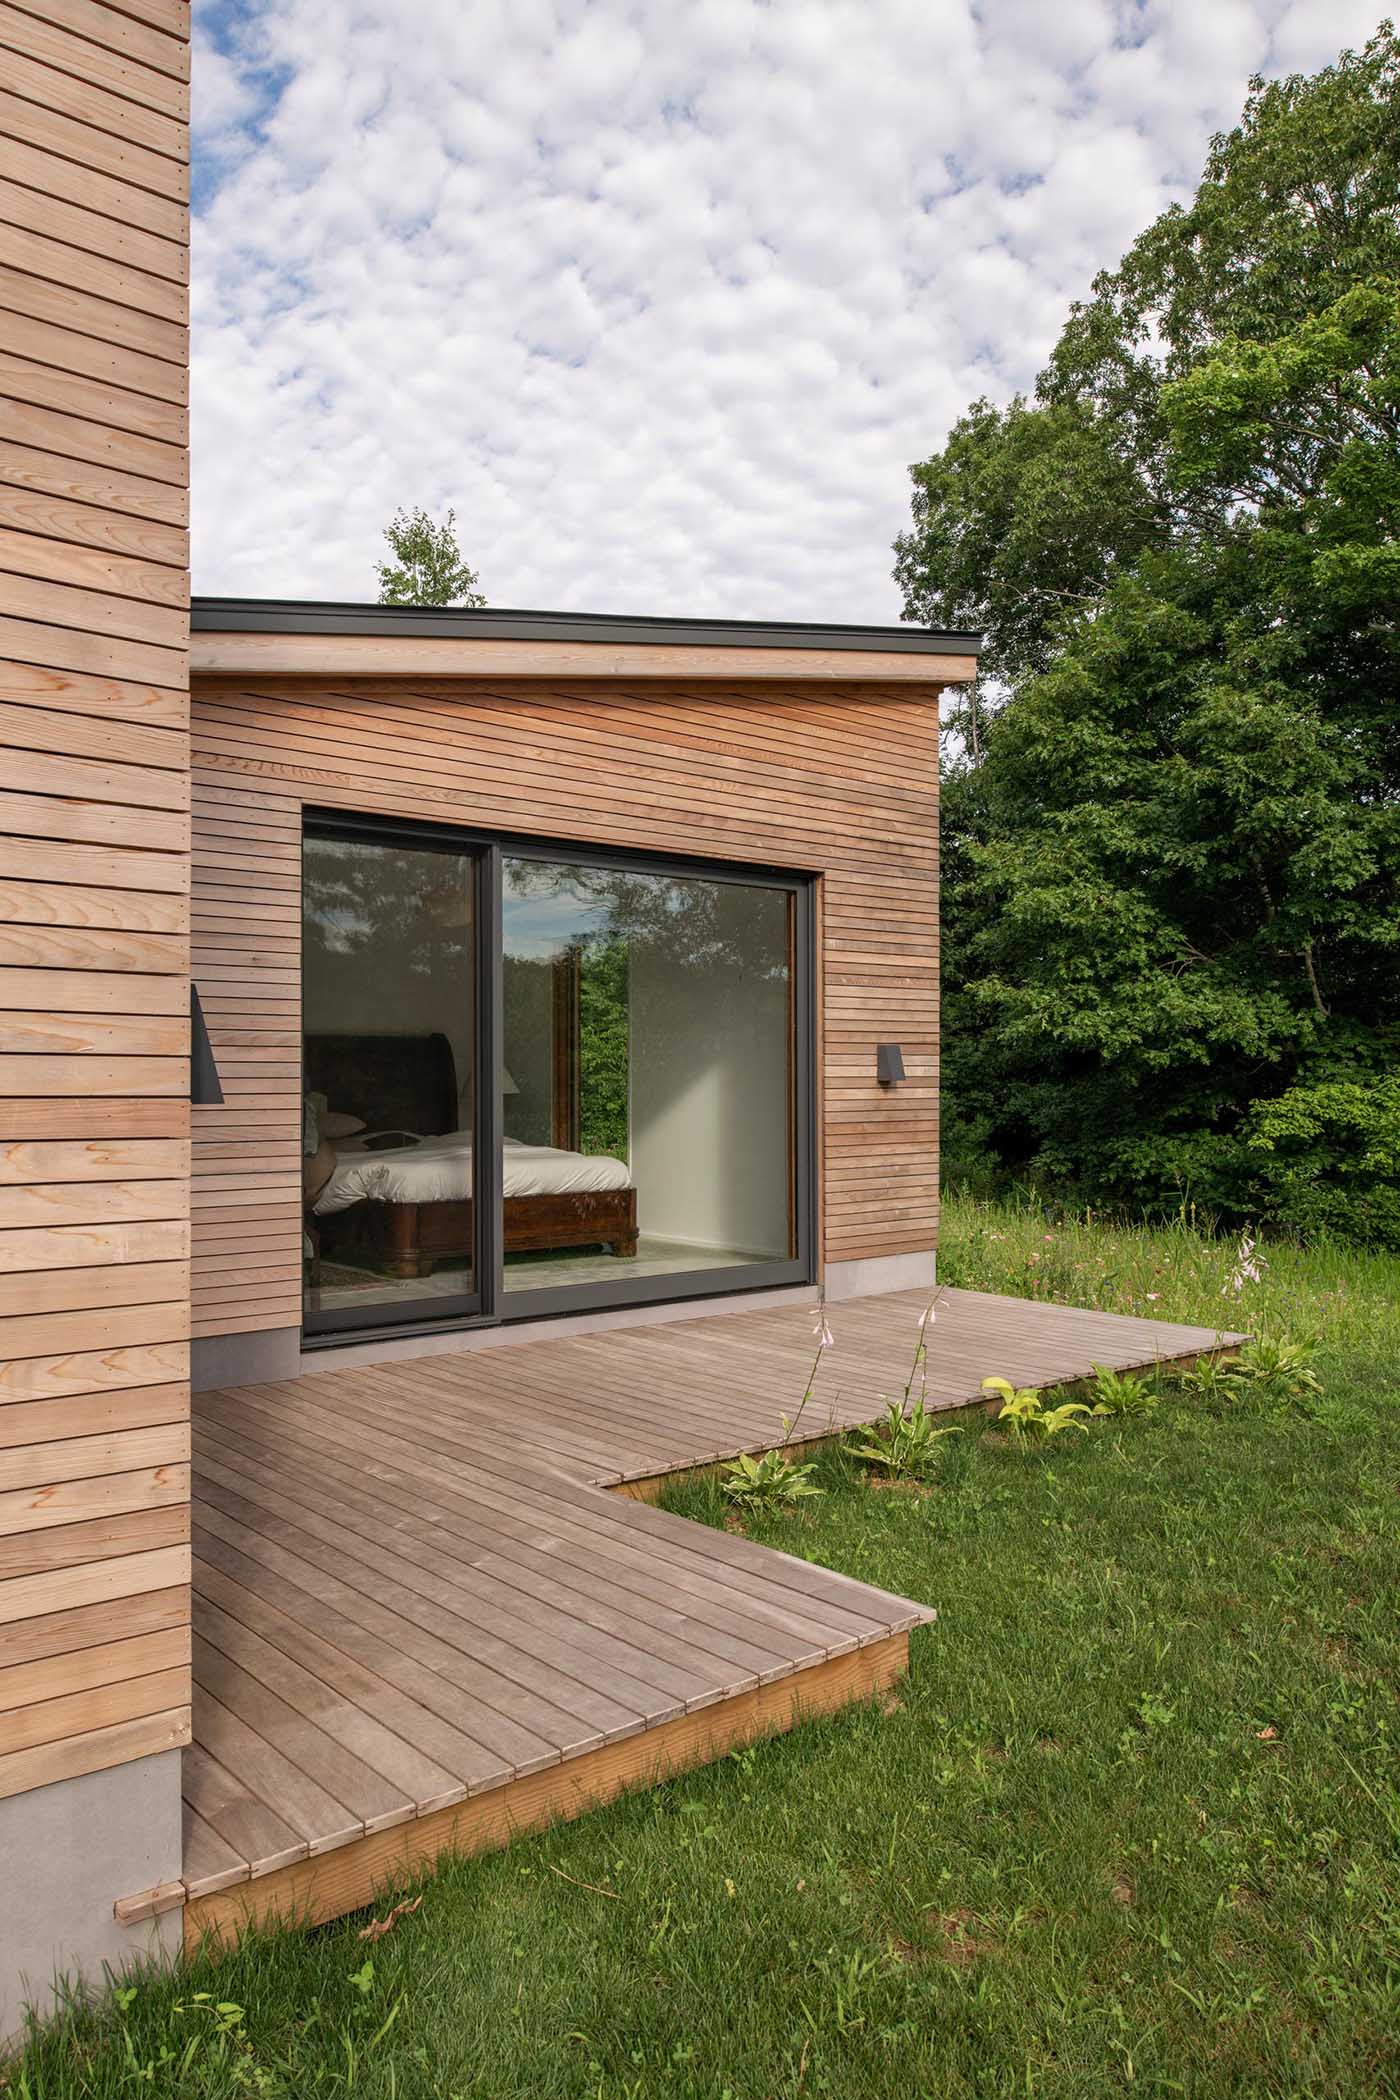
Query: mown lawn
(1132, 1826)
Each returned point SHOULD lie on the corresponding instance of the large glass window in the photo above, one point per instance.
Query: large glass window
(535, 1080)
(648, 1091)
(389, 1060)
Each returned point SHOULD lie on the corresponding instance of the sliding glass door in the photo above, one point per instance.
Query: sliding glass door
(647, 1131)
(390, 1063)
(650, 1102)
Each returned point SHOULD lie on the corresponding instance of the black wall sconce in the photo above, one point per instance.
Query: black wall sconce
(889, 1064)
(205, 1090)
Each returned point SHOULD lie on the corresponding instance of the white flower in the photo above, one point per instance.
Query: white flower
(1249, 1268)
(821, 1328)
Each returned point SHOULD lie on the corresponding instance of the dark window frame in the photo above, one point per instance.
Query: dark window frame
(466, 1308)
(493, 1305)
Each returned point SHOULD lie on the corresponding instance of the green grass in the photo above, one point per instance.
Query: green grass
(1131, 1827)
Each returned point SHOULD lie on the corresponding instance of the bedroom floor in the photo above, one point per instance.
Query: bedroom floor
(343, 1284)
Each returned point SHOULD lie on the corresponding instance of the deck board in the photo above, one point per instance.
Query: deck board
(410, 1591)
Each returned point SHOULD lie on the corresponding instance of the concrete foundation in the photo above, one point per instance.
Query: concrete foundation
(261, 1358)
(67, 1853)
(885, 1272)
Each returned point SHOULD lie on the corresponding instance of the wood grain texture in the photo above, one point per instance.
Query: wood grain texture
(94, 885)
(311, 1890)
(838, 779)
(421, 1622)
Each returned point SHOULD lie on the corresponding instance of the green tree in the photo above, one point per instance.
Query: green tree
(1172, 829)
(428, 568)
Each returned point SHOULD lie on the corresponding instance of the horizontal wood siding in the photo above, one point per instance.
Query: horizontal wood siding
(840, 781)
(94, 887)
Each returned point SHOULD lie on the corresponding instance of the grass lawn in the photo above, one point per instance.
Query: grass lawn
(1132, 1826)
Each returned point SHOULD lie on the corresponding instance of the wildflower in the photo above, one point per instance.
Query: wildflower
(1153, 1296)
(821, 1327)
(1249, 1268)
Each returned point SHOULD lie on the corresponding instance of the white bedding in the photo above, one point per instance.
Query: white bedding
(439, 1170)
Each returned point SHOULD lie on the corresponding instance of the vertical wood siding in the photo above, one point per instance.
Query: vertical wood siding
(838, 781)
(94, 887)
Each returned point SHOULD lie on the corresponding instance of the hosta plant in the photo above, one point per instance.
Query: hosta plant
(1025, 1416)
(904, 1446)
(773, 1481)
(1122, 1392)
(1281, 1372)
(1213, 1378)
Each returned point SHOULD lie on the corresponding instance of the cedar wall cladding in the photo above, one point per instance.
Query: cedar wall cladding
(94, 880)
(837, 779)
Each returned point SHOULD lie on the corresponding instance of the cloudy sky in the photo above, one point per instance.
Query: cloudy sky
(662, 296)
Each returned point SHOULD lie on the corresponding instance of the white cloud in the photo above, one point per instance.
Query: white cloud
(663, 300)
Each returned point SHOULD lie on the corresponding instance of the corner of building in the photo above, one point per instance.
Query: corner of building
(877, 1274)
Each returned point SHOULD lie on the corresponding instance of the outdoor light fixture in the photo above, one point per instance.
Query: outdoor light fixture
(205, 1090)
(889, 1064)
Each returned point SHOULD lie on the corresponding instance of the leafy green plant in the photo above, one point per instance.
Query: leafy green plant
(905, 1446)
(1278, 1371)
(1179, 544)
(1122, 1393)
(1210, 1378)
(1026, 1417)
(429, 568)
(770, 1482)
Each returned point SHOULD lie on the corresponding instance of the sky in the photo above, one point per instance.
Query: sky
(663, 299)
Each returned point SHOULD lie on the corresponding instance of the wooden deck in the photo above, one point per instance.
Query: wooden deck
(419, 1625)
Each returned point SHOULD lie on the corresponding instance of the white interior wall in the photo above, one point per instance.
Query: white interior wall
(710, 1062)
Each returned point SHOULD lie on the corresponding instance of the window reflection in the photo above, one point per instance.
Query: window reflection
(648, 1103)
(388, 1059)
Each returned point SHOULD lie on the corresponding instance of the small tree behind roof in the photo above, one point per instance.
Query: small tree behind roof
(429, 568)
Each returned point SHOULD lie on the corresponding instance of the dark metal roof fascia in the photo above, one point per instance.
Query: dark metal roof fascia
(297, 616)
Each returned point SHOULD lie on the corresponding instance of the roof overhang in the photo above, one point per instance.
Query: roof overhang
(268, 637)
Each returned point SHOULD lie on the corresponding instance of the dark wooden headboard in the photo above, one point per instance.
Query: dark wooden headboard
(395, 1082)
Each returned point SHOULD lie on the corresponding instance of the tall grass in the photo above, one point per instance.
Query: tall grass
(1345, 1299)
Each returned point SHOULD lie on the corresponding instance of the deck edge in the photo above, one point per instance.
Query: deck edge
(653, 1487)
(313, 1891)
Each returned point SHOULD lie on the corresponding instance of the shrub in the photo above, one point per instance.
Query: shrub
(1327, 1159)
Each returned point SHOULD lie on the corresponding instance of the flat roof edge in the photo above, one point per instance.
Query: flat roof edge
(462, 623)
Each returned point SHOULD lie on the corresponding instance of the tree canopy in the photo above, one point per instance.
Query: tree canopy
(1172, 811)
(428, 568)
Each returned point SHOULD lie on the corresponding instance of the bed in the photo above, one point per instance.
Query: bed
(409, 1205)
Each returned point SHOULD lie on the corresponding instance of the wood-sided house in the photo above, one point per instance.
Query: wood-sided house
(554, 965)
(374, 985)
